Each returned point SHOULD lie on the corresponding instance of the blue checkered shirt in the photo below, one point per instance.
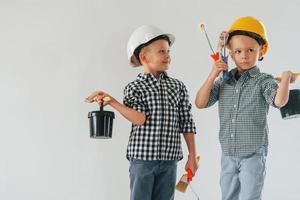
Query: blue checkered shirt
(243, 109)
(168, 114)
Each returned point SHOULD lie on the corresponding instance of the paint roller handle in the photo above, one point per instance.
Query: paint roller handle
(226, 74)
(189, 174)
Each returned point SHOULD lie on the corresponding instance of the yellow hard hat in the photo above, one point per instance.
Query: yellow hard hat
(253, 25)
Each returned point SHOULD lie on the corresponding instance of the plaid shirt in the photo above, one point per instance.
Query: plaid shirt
(243, 109)
(168, 113)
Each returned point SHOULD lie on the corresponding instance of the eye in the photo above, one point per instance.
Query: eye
(237, 51)
(164, 51)
(250, 50)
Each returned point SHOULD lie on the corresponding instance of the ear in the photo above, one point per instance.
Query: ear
(143, 57)
(261, 53)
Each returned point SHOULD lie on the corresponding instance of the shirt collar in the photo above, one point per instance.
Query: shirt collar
(149, 76)
(251, 72)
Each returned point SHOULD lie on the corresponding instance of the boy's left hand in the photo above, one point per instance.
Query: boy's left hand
(293, 78)
(288, 75)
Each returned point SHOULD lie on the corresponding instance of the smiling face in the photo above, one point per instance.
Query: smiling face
(156, 57)
(245, 52)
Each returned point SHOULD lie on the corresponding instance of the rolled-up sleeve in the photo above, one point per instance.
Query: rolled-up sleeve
(186, 122)
(214, 93)
(269, 90)
(133, 99)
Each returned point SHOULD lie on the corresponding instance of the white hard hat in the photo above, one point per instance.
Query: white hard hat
(140, 36)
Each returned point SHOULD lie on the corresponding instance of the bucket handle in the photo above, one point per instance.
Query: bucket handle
(105, 99)
(101, 106)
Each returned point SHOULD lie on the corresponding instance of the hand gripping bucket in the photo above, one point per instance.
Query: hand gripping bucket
(101, 123)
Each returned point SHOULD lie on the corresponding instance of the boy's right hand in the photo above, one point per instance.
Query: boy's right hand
(218, 67)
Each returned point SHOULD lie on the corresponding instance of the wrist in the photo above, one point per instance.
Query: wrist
(113, 103)
(192, 156)
(211, 78)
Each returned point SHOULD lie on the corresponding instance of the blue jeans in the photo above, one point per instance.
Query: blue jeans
(152, 180)
(242, 178)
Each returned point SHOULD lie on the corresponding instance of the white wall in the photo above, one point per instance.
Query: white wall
(53, 53)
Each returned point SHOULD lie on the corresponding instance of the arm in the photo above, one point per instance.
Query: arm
(130, 114)
(203, 93)
(282, 95)
(187, 127)
(190, 142)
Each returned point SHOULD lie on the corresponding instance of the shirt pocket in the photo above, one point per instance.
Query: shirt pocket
(150, 98)
(173, 96)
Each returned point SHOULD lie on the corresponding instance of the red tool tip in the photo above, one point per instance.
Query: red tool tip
(215, 56)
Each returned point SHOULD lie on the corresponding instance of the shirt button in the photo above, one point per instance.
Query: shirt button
(237, 91)
(231, 135)
(234, 105)
(233, 120)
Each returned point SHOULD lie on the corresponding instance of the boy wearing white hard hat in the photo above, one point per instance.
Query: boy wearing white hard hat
(159, 109)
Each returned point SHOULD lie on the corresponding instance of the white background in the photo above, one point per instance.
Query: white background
(53, 53)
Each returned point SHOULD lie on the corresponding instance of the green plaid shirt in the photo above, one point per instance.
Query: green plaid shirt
(243, 109)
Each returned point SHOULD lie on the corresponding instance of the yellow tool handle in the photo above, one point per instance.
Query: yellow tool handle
(294, 73)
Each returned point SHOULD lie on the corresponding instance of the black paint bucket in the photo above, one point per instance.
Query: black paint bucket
(101, 123)
(292, 108)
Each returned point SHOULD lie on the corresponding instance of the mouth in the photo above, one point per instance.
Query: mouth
(244, 63)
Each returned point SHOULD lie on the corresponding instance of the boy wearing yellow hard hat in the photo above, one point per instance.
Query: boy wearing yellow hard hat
(244, 101)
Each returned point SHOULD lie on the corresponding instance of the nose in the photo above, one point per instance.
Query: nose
(168, 58)
(167, 54)
(244, 55)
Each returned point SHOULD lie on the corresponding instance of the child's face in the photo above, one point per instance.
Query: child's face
(245, 52)
(156, 56)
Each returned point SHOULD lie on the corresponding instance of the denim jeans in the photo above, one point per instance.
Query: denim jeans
(152, 180)
(242, 178)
